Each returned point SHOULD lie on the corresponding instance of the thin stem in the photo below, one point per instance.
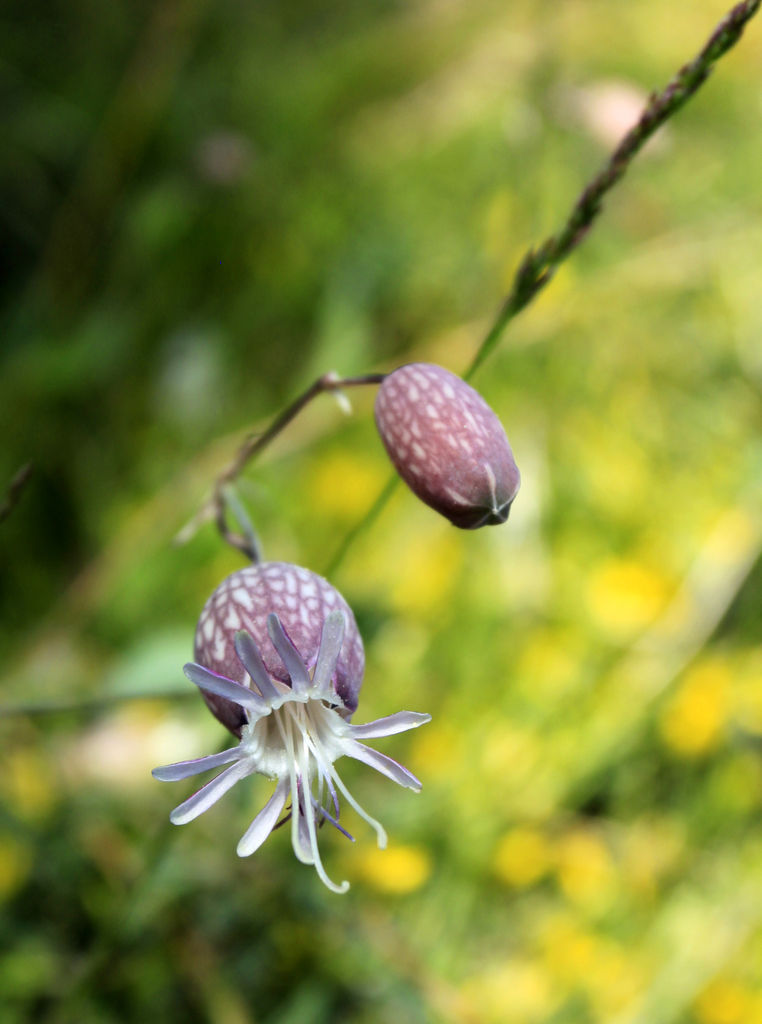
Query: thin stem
(364, 524)
(254, 444)
(538, 265)
(247, 541)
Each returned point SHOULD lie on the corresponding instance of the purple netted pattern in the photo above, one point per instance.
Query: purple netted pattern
(302, 600)
(447, 445)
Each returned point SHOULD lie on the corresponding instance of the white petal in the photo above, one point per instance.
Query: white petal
(331, 640)
(264, 822)
(251, 660)
(306, 854)
(399, 722)
(391, 769)
(223, 687)
(300, 679)
(184, 769)
(209, 794)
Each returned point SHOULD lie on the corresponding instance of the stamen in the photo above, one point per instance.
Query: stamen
(329, 817)
(303, 759)
(285, 732)
(381, 836)
(332, 791)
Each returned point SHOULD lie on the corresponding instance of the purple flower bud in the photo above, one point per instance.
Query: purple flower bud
(301, 599)
(280, 663)
(447, 445)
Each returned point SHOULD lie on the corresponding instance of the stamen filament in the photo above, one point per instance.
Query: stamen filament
(285, 732)
(380, 830)
(304, 767)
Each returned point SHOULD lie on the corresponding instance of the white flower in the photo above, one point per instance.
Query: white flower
(294, 734)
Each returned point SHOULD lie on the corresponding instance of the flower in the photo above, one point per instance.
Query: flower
(301, 599)
(293, 723)
(447, 445)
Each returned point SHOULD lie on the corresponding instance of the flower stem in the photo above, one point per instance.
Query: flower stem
(539, 264)
(220, 501)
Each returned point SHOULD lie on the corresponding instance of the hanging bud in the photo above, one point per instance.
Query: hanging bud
(447, 445)
(280, 663)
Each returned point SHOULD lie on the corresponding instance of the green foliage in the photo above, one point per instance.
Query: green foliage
(203, 208)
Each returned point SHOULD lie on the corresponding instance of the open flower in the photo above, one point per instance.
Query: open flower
(291, 729)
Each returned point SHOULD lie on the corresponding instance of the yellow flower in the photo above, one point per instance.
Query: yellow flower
(439, 752)
(651, 847)
(431, 563)
(514, 992)
(624, 596)
(725, 1001)
(397, 870)
(522, 857)
(619, 978)
(692, 722)
(585, 870)
(569, 950)
(344, 484)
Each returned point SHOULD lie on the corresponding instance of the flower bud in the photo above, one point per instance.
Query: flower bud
(447, 445)
(301, 599)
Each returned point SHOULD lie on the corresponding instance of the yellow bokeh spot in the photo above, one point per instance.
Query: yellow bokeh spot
(615, 467)
(430, 565)
(509, 753)
(438, 751)
(692, 722)
(624, 596)
(397, 870)
(650, 850)
(617, 981)
(345, 484)
(515, 991)
(585, 870)
(27, 785)
(15, 861)
(734, 537)
(522, 857)
(548, 662)
(725, 1001)
(569, 950)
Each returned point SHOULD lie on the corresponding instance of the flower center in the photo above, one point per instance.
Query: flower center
(300, 740)
(298, 724)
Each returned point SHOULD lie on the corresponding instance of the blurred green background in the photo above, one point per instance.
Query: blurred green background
(204, 206)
